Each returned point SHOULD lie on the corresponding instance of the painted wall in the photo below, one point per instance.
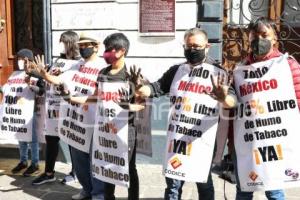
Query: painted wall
(153, 54)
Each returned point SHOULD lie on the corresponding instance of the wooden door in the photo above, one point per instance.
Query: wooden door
(6, 47)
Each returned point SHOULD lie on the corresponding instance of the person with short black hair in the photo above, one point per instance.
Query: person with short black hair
(195, 51)
(116, 49)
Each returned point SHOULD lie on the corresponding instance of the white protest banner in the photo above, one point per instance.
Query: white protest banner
(40, 116)
(6, 138)
(265, 131)
(18, 105)
(110, 141)
(193, 120)
(221, 137)
(53, 99)
(142, 123)
(76, 124)
(39, 113)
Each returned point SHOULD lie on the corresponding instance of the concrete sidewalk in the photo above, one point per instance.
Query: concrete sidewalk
(17, 187)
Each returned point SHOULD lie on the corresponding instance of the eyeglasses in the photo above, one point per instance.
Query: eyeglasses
(193, 46)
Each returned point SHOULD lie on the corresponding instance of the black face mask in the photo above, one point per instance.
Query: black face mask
(63, 56)
(86, 52)
(260, 46)
(194, 56)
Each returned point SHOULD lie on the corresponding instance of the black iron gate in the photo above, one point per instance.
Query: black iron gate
(237, 15)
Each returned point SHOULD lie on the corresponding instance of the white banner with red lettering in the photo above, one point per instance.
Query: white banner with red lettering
(193, 120)
(110, 141)
(53, 99)
(76, 124)
(265, 132)
(17, 109)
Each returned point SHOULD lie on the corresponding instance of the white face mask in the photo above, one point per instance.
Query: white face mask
(21, 64)
(62, 47)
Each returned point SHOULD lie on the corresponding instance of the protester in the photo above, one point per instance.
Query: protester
(25, 56)
(69, 54)
(270, 76)
(116, 49)
(190, 73)
(80, 81)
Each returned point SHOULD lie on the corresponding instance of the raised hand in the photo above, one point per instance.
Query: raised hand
(38, 66)
(124, 101)
(220, 87)
(135, 76)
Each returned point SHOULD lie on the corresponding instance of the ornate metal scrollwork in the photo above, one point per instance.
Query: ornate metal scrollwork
(235, 37)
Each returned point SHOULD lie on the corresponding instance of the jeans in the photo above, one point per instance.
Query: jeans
(174, 189)
(241, 195)
(271, 195)
(34, 145)
(82, 165)
(133, 190)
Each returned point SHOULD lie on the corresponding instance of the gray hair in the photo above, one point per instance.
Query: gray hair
(195, 31)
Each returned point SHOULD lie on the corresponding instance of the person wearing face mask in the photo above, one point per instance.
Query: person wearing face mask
(25, 56)
(255, 170)
(195, 71)
(116, 49)
(263, 40)
(69, 55)
(77, 84)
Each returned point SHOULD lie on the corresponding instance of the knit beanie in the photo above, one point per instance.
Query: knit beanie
(25, 53)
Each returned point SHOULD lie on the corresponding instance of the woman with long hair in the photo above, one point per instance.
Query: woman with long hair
(69, 55)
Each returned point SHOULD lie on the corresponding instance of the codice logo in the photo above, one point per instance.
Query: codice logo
(253, 176)
(175, 162)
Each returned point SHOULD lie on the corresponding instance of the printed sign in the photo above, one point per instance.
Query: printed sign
(157, 17)
(39, 112)
(76, 124)
(18, 104)
(266, 140)
(110, 141)
(192, 126)
(53, 98)
(142, 123)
